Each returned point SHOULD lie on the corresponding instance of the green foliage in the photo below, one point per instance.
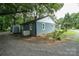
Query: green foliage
(56, 35)
(56, 6)
(28, 7)
(19, 19)
(69, 21)
(5, 22)
(28, 11)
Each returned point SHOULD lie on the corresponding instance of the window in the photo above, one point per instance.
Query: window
(43, 26)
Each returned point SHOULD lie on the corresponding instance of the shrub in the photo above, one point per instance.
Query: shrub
(56, 35)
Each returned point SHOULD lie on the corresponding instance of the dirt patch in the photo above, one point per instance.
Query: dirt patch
(43, 40)
(32, 39)
(15, 45)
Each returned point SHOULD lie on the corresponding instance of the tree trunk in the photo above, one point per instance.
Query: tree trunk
(1, 27)
(24, 17)
(14, 19)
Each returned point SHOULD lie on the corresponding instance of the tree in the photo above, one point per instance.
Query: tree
(28, 11)
(70, 21)
(75, 18)
(66, 22)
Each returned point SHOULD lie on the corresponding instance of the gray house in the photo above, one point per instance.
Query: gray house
(38, 27)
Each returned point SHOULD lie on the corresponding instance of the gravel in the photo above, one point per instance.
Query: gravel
(15, 46)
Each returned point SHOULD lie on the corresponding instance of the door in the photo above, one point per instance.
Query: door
(32, 29)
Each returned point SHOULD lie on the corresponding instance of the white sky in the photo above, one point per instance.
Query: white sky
(68, 7)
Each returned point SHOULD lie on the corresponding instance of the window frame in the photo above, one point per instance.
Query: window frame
(43, 26)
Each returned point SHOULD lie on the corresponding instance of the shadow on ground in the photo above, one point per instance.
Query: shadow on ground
(11, 45)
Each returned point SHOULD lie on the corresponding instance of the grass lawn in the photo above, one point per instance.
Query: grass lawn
(68, 34)
(77, 40)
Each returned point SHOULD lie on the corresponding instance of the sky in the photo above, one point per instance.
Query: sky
(67, 8)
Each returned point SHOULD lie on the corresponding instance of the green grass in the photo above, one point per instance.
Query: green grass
(68, 33)
(77, 40)
(65, 35)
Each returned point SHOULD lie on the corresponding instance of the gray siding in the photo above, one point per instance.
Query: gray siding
(37, 26)
(49, 27)
(16, 29)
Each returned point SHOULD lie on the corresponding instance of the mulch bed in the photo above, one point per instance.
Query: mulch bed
(40, 39)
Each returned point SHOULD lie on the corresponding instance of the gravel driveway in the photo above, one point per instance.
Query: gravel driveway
(14, 46)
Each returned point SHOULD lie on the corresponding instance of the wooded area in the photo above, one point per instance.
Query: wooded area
(18, 13)
(70, 21)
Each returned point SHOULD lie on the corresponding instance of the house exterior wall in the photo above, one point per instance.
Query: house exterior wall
(29, 29)
(25, 29)
(49, 27)
(16, 28)
(36, 27)
(48, 23)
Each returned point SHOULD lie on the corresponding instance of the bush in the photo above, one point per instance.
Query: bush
(77, 26)
(56, 35)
